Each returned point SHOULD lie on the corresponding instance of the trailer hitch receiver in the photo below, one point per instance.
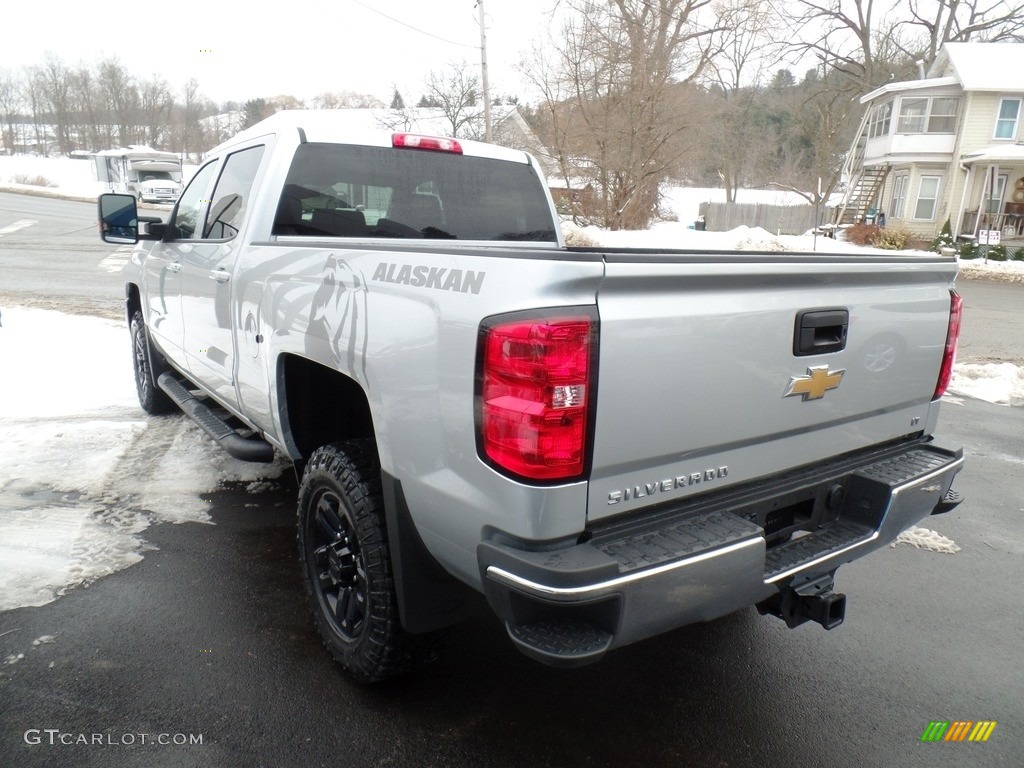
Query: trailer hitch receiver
(810, 601)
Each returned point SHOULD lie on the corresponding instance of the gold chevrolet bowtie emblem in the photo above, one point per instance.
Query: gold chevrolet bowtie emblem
(815, 384)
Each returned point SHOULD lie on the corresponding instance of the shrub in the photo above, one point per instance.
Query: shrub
(892, 239)
(861, 234)
(944, 238)
(969, 250)
(34, 181)
(997, 252)
(1018, 255)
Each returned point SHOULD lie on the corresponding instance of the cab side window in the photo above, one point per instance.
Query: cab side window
(231, 195)
(192, 204)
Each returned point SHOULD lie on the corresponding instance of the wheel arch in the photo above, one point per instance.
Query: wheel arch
(132, 300)
(318, 406)
(322, 406)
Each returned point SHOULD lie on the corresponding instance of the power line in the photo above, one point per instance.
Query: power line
(414, 29)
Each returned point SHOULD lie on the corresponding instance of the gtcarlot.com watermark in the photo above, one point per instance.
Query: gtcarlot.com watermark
(55, 737)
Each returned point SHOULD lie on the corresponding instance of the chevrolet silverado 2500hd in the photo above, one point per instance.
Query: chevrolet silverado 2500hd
(606, 444)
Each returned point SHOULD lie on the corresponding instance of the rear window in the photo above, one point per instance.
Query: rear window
(338, 190)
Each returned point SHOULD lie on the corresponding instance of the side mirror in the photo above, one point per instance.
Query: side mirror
(119, 219)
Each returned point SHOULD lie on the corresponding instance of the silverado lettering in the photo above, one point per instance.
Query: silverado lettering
(664, 486)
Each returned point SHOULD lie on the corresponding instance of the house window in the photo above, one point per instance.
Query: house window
(881, 119)
(942, 115)
(927, 197)
(899, 196)
(912, 114)
(922, 114)
(1006, 119)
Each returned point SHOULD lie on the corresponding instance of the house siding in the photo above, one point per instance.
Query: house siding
(922, 155)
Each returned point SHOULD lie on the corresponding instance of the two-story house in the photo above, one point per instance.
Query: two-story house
(948, 145)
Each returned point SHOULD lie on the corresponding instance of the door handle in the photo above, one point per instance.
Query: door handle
(220, 275)
(820, 331)
(174, 267)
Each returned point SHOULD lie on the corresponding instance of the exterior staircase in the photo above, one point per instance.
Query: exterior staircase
(861, 196)
(865, 183)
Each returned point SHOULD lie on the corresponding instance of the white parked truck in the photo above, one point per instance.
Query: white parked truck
(150, 175)
(604, 443)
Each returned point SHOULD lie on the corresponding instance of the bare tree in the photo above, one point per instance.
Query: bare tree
(122, 98)
(624, 64)
(558, 122)
(872, 42)
(750, 47)
(10, 106)
(856, 37)
(346, 100)
(934, 22)
(155, 105)
(56, 87)
(286, 101)
(87, 104)
(35, 98)
(188, 133)
(456, 92)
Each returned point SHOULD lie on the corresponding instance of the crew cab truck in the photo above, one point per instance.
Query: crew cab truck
(606, 444)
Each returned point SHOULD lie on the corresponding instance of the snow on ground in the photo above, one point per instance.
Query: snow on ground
(66, 177)
(72, 505)
(1000, 383)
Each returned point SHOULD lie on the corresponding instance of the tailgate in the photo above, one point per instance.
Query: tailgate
(697, 358)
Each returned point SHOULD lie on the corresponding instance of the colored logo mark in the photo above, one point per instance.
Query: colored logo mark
(959, 730)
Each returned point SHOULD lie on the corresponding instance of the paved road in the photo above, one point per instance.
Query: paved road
(210, 635)
(51, 256)
(993, 325)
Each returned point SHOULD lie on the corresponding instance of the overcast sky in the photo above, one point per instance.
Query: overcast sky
(239, 51)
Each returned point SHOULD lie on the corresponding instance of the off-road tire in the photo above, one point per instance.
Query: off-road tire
(152, 399)
(346, 565)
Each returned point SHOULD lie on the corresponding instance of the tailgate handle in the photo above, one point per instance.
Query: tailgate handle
(820, 331)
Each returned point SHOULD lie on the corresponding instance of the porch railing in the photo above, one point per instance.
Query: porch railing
(1010, 225)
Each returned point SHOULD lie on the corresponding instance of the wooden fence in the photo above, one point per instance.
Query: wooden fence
(777, 219)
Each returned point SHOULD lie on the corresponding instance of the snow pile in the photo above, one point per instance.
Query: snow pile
(76, 453)
(922, 538)
(72, 178)
(1000, 383)
(1004, 271)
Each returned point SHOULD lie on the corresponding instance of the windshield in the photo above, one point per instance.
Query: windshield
(156, 176)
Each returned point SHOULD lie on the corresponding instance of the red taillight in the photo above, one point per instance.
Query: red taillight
(416, 141)
(535, 389)
(956, 305)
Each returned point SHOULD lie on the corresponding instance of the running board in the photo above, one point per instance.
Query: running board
(244, 448)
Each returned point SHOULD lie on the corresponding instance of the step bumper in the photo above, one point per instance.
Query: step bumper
(570, 605)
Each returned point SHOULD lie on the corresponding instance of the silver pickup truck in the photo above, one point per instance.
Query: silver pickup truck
(605, 444)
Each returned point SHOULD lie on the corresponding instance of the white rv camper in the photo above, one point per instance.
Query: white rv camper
(150, 175)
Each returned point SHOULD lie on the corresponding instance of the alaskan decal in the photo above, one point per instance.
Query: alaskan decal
(666, 485)
(422, 276)
(815, 384)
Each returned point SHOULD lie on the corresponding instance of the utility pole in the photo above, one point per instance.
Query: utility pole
(483, 73)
